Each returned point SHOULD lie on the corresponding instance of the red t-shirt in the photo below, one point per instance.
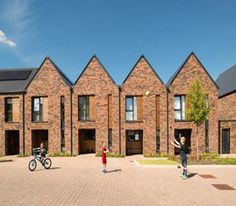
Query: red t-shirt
(104, 156)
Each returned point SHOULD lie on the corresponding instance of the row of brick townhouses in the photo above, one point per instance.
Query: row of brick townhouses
(141, 116)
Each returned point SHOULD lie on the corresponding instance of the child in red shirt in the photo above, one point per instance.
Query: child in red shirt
(104, 157)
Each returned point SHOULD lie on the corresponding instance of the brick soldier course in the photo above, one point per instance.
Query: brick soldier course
(131, 118)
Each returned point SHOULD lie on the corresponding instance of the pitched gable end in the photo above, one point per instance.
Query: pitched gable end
(183, 64)
(63, 76)
(142, 57)
(94, 57)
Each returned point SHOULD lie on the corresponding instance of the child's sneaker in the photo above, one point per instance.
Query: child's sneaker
(104, 171)
(185, 177)
(181, 175)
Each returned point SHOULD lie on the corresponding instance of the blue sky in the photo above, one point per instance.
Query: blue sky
(118, 32)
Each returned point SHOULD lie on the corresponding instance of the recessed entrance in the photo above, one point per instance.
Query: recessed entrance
(38, 137)
(183, 133)
(12, 143)
(134, 142)
(87, 141)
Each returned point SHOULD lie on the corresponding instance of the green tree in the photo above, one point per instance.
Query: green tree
(197, 108)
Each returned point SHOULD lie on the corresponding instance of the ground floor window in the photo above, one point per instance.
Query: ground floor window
(158, 141)
(206, 136)
(110, 139)
(226, 141)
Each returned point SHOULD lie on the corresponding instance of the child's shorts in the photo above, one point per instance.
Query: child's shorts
(184, 161)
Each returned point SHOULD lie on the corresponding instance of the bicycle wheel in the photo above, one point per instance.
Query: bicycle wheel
(32, 165)
(47, 163)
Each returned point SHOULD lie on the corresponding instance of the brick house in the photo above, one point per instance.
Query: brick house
(143, 111)
(12, 93)
(177, 124)
(48, 109)
(95, 110)
(141, 116)
(227, 111)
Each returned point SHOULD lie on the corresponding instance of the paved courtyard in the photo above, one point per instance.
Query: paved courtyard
(79, 181)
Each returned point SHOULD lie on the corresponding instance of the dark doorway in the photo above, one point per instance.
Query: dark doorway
(134, 142)
(12, 143)
(87, 141)
(183, 133)
(226, 141)
(38, 137)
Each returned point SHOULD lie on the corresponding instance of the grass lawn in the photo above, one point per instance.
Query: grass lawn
(157, 162)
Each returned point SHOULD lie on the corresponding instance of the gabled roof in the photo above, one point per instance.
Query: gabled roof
(181, 67)
(91, 59)
(60, 72)
(142, 57)
(227, 81)
(15, 80)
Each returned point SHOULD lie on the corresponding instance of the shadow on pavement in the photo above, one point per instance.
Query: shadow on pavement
(55, 168)
(192, 175)
(116, 170)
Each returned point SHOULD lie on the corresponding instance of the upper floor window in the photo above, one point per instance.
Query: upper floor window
(39, 109)
(12, 109)
(86, 107)
(179, 107)
(134, 108)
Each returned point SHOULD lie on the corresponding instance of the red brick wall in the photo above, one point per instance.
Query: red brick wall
(143, 79)
(95, 81)
(179, 86)
(48, 82)
(10, 126)
(227, 113)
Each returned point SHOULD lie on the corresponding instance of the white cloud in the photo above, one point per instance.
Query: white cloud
(5, 40)
(17, 13)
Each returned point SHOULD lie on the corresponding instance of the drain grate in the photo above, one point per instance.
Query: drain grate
(222, 187)
(208, 176)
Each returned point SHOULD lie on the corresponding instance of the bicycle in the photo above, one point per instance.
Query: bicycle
(46, 162)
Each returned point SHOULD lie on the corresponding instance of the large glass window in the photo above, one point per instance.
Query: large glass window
(12, 109)
(131, 109)
(179, 107)
(39, 109)
(83, 107)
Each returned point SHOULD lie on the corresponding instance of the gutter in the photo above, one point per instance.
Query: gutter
(71, 123)
(119, 88)
(167, 116)
(23, 120)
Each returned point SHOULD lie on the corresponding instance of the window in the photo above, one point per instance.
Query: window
(158, 141)
(12, 109)
(110, 139)
(206, 136)
(179, 107)
(86, 108)
(133, 135)
(39, 109)
(131, 109)
(62, 123)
